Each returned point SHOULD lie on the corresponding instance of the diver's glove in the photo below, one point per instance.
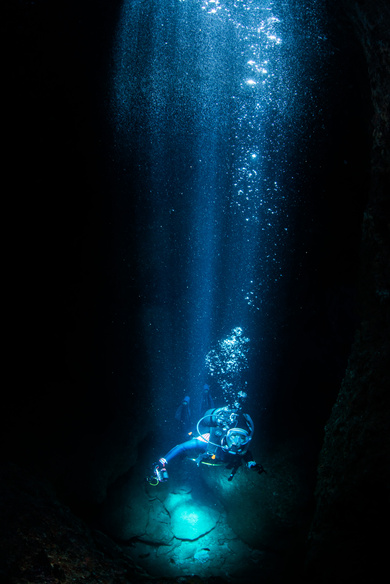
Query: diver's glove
(255, 466)
(160, 470)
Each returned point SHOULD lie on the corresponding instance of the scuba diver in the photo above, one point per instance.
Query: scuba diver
(223, 436)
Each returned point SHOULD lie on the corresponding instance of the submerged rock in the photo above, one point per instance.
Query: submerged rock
(262, 509)
(41, 540)
(158, 529)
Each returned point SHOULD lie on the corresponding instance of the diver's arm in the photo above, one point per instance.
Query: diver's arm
(191, 447)
(185, 448)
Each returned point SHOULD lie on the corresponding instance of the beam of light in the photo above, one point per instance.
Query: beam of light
(207, 101)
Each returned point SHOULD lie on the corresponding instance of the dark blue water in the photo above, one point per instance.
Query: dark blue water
(213, 107)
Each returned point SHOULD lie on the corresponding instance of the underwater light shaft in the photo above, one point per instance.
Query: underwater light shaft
(211, 102)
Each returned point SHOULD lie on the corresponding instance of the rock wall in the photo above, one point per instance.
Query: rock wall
(346, 541)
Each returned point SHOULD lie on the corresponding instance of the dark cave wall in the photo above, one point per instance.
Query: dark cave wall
(57, 279)
(346, 541)
(69, 408)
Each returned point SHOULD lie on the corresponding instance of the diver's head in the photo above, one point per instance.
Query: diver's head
(237, 441)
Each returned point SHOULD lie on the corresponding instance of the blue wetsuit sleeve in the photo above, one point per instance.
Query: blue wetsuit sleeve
(192, 446)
